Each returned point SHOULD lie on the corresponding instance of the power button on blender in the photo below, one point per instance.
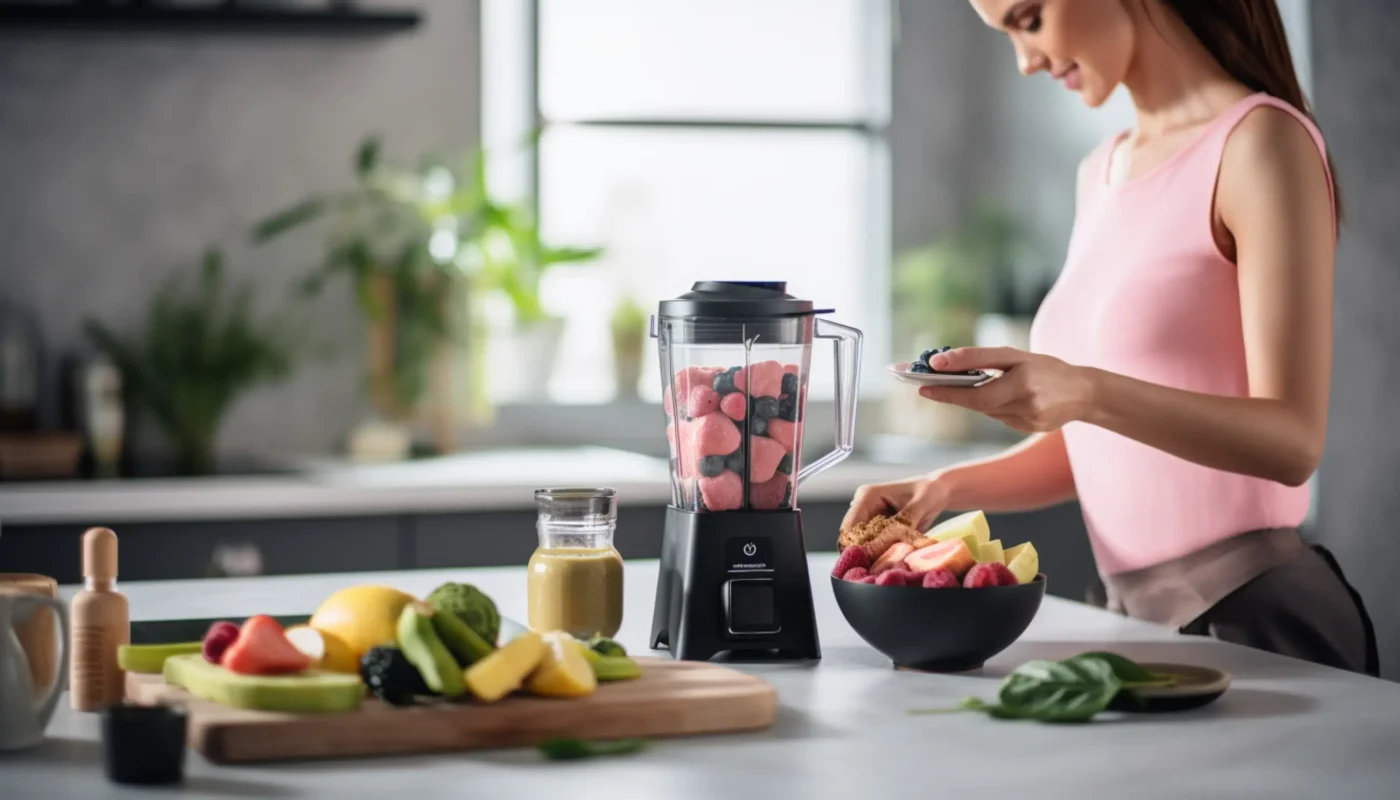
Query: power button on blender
(749, 554)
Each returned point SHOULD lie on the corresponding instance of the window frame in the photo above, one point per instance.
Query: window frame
(881, 34)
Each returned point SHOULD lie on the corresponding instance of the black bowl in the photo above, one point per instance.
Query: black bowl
(939, 630)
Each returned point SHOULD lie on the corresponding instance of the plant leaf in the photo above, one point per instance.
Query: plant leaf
(1059, 691)
(1131, 673)
(290, 218)
(573, 749)
(367, 157)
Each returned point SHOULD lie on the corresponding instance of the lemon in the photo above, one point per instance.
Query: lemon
(563, 670)
(327, 650)
(361, 617)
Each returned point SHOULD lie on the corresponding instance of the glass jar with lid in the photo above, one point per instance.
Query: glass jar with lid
(575, 575)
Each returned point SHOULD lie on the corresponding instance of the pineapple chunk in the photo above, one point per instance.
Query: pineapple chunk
(505, 669)
(990, 553)
(563, 671)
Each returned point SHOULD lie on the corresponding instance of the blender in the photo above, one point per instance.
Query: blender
(735, 358)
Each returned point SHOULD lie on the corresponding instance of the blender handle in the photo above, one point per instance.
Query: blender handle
(846, 350)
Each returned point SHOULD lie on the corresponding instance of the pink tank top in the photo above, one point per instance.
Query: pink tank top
(1146, 292)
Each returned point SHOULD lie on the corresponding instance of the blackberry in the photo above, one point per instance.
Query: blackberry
(734, 462)
(921, 367)
(711, 466)
(787, 409)
(785, 466)
(391, 677)
(766, 407)
(758, 426)
(789, 383)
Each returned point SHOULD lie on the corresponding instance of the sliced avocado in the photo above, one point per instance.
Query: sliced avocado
(309, 690)
(150, 658)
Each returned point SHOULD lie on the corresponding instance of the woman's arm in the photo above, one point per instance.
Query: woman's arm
(1033, 474)
(1274, 199)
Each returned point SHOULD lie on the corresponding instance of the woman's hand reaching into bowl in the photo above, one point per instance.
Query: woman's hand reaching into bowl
(1034, 394)
(920, 499)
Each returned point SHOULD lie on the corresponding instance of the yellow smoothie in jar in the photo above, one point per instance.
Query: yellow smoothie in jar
(576, 589)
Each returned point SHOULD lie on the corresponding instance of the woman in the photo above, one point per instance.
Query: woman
(1178, 379)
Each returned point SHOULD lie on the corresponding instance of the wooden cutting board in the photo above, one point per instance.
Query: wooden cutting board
(671, 698)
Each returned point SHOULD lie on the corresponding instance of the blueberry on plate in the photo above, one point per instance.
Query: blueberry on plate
(758, 426)
(711, 466)
(787, 409)
(789, 383)
(926, 355)
(921, 368)
(766, 407)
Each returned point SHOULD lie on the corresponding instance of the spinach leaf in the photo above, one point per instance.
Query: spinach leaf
(574, 749)
(1132, 674)
(1073, 690)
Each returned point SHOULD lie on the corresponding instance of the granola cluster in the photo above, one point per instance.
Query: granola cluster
(877, 534)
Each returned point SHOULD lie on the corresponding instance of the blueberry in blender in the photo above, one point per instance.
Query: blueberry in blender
(785, 466)
(758, 426)
(787, 409)
(766, 407)
(724, 381)
(734, 462)
(789, 383)
(712, 466)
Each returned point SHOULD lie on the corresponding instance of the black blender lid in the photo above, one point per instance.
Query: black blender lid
(739, 300)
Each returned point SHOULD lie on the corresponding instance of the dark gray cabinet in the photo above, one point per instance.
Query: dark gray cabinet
(195, 549)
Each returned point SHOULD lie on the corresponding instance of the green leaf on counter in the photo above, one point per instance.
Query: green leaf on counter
(575, 749)
(1072, 690)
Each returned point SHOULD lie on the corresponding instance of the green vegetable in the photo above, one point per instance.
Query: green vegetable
(1072, 690)
(574, 749)
(604, 646)
(464, 643)
(472, 606)
(612, 668)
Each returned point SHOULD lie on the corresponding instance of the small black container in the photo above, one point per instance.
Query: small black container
(144, 744)
(939, 630)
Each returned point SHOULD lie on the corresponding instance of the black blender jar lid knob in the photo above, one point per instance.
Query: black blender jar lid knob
(738, 299)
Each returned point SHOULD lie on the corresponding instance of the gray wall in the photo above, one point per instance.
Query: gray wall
(124, 154)
(1356, 70)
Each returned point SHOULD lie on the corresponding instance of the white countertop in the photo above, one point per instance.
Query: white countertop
(481, 481)
(1285, 729)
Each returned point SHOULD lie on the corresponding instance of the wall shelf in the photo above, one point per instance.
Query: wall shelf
(260, 18)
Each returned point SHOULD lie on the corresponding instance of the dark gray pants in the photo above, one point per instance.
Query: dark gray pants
(1304, 609)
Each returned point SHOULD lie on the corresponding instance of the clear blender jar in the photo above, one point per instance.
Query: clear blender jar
(735, 360)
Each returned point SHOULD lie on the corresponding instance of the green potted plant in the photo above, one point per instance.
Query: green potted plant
(199, 351)
(423, 249)
(629, 330)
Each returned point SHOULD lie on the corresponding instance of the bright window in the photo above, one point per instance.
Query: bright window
(700, 139)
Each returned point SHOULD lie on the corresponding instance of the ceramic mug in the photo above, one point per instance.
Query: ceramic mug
(25, 710)
(39, 635)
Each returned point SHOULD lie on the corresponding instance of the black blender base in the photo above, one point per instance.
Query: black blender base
(734, 582)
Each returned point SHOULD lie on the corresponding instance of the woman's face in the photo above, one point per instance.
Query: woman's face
(1086, 45)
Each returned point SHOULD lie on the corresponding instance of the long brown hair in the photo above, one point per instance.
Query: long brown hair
(1247, 37)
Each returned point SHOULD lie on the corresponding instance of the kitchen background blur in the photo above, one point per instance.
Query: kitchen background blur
(311, 286)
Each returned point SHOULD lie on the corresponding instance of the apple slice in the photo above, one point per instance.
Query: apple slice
(990, 553)
(973, 523)
(1025, 565)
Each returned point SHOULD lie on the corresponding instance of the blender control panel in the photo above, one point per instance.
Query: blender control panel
(748, 595)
